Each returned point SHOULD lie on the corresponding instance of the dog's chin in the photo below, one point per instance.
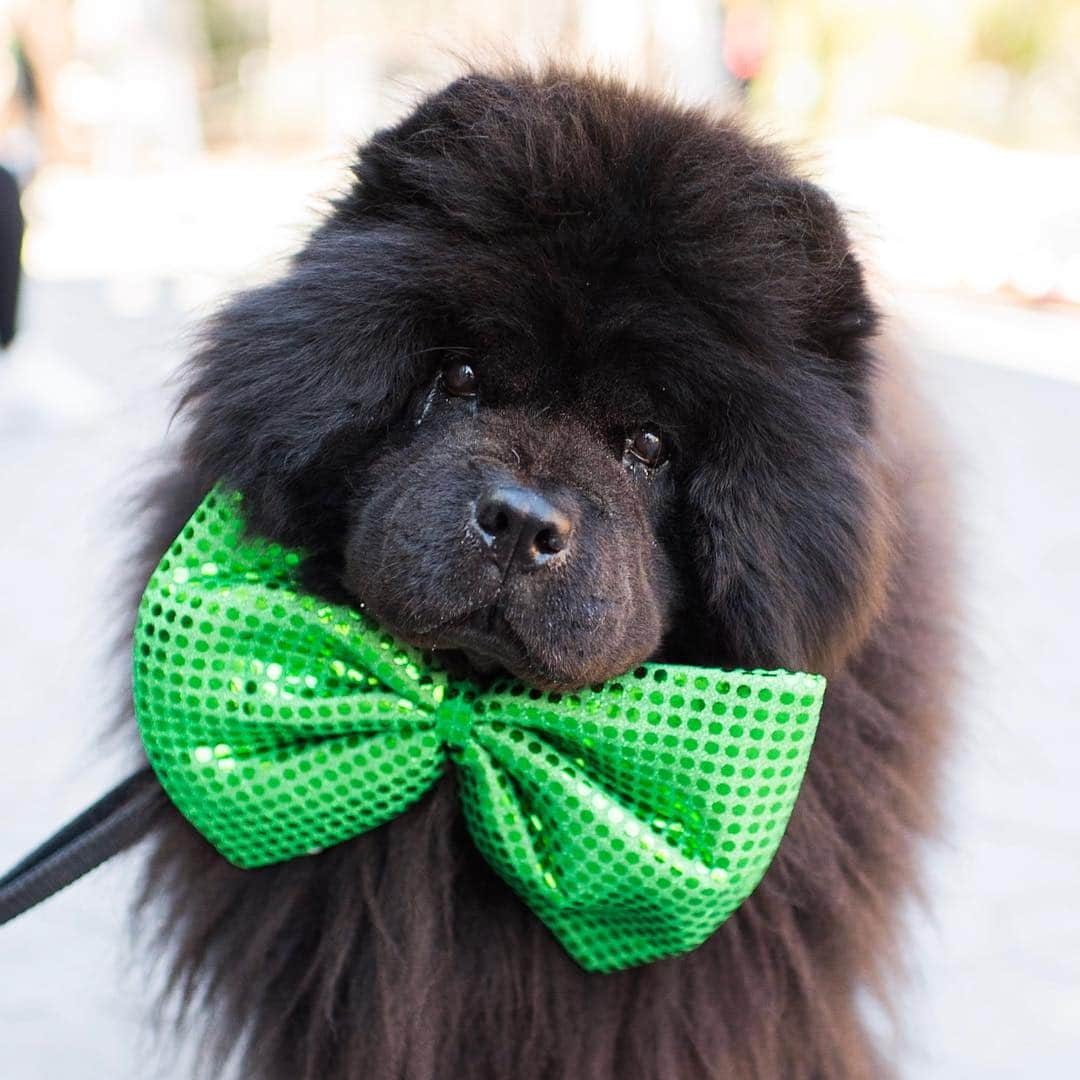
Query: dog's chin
(483, 646)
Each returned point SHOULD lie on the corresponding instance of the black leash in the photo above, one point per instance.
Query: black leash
(113, 823)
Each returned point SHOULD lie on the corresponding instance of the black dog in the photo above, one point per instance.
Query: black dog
(572, 378)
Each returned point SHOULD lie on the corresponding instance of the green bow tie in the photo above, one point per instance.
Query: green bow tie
(633, 818)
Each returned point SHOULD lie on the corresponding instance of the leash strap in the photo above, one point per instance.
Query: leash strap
(115, 822)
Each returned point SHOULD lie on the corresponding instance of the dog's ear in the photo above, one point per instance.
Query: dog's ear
(789, 521)
(294, 378)
(835, 315)
(789, 514)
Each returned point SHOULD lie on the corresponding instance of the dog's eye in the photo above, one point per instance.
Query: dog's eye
(646, 445)
(460, 380)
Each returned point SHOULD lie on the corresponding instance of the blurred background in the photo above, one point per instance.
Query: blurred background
(157, 154)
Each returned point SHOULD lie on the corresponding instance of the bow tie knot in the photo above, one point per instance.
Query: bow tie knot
(454, 716)
(633, 818)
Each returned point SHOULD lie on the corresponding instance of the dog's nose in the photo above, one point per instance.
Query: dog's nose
(520, 526)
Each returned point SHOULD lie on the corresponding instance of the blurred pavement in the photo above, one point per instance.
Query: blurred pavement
(996, 992)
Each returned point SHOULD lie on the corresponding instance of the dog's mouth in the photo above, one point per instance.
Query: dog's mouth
(483, 645)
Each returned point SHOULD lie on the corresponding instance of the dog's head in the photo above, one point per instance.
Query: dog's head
(569, 379)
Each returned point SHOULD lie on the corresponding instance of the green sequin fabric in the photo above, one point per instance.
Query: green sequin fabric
(633, 817)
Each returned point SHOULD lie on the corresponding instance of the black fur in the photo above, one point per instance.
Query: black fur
(603, 260)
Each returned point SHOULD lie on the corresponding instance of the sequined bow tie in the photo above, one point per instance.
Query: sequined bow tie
(633, 817)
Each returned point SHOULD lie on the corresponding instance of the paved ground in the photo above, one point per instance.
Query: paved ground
(997, 960)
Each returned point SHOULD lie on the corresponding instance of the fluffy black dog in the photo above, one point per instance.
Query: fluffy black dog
(569, 379)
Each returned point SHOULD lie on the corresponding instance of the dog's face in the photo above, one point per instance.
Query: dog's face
(515, 516)
(567, 381)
